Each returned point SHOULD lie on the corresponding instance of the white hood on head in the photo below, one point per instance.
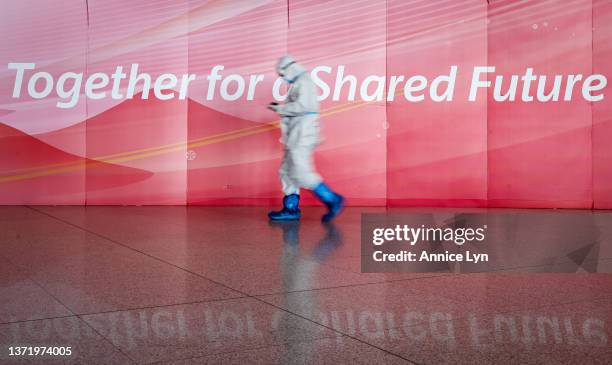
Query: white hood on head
(288, 68)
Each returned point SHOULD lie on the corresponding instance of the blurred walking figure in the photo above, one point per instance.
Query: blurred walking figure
(300, 136)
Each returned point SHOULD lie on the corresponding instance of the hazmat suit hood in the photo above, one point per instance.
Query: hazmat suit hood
(289, 69)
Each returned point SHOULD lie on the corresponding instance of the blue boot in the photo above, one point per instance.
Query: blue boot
(333, 201)
(290, 211)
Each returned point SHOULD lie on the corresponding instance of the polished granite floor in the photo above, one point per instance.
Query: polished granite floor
(219, 285)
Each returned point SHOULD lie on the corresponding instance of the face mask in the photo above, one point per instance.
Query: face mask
(281, 72)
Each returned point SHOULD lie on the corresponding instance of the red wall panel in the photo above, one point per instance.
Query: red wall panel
(41, 160)
(437, 150)
(602, 112)
(540, 152)
(199, 149)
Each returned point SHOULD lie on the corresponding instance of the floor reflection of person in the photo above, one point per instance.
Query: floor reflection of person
(297, 271)
(298, 275)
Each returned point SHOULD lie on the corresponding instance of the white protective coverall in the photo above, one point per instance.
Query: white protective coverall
(299, 128)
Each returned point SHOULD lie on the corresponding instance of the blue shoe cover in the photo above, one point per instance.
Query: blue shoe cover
(333, 201)
(290, 211)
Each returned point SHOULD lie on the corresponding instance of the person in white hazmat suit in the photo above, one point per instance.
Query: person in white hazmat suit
(300, 135)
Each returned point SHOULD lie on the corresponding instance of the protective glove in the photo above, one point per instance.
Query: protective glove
(273, 106)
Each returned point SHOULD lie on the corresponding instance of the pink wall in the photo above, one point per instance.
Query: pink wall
(602, 112)
(539, 154)
(437, 150)
(382, 152)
